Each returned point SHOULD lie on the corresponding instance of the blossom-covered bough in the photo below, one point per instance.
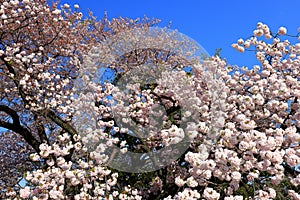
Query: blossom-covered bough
(154, 104)
(148, 119)
(119, 110)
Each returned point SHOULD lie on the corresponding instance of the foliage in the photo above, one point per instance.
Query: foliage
(61, 118)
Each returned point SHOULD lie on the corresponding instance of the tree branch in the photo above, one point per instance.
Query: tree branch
(41, 129)
(12, 113)
(60, 122)
(17, 128)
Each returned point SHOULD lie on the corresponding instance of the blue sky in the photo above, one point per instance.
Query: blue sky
(212, 23)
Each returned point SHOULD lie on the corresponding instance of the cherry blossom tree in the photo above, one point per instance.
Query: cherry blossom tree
(41, 48)
(82, 99)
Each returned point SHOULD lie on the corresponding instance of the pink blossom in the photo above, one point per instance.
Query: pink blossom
(210, 194)
(236, 176)
(25, 192)
(179, 182)
(282, 31)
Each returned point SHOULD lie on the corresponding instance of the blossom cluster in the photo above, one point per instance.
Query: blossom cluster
(241, 124)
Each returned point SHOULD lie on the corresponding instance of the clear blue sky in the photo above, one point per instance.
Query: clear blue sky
(212, 23)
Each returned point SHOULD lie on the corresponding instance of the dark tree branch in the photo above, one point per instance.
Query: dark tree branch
(60, 122)
(41, 129)
(17, 128)
(12, 113)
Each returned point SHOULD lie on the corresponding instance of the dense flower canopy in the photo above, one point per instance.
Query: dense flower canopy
(71, 89)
